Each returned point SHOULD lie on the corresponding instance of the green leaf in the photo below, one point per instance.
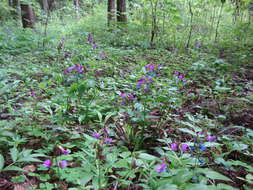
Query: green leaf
(168, 186)
(86, 177)
(18, 179)
(183, 176)
(200, 187)
(213, 175)
(1, 162)
(222, 186)
(14, 154)
(13, 168)
(28, 159)
(146, 156)
(187, 131)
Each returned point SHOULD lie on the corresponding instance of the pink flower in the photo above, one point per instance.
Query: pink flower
(150, 67)
(181, 76)
(184, 147)
(63, 164)
(211, 138)
(108, 140)
(64, 151)
(130, 96)
(47, 163)
(122, 95)
(174, 146)
(161, 168)
(96, 135)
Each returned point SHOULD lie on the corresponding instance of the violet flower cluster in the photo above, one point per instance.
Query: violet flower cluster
(126, 98)
(161, 168)
(91, 41)
(144, 80)
(61, 163)
(106, 140)
(176, 147)
(200, 146)
(209, 138)
(150, 67)
(148, 78)
(76, 68)
(180, 76)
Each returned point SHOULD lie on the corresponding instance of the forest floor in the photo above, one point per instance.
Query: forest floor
(94, 99)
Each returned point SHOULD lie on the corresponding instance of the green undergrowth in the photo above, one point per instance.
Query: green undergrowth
(80, 112)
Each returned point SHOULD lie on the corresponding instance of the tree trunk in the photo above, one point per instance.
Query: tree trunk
(44, 5)
(121, 11)
(111, 11)
(77, 7)
(51, 4)
(28, 16)
(15, 4)
(10, 2)
(250, 11)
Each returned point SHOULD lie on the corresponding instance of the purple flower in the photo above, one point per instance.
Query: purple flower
(63, 164)
(130, 96)
(77, 68)
(211, 138)
(33, 94)
(174, 146)
(122, 95)
(64, 151)
(176, 73)
(47, 163)
(94, 45)
(150, 67)
(123, 103)
(143, 81)
(202, 147)
(108, 140)
(184, 147)
(96, 135)
(181, 76)
(161, 168)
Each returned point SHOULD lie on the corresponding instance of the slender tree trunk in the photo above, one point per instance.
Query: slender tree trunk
(44, 5)
(250, 11)
(10, 2)
(51, 4)
(218, 23)
(154, 23)
(191, 25)
(28, 16)
(15, 4)
(77, 7)
(121, 11)
(111, 11)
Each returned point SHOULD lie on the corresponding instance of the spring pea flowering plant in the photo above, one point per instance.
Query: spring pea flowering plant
(126, 98)
(62, 163)
(161, 168)
(79, 69)
(180, 76)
